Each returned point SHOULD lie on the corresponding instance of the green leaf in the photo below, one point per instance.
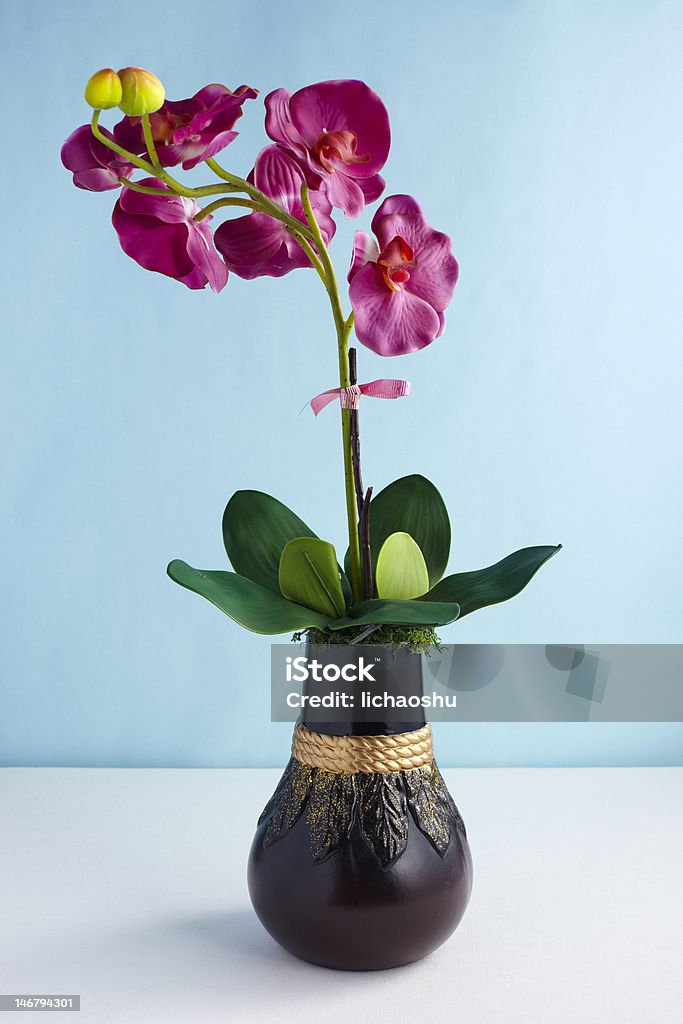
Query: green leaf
(256, 528)
(401, 571)
(399, 613)
(412, 505)
(309, 575)
(495, 583)
(252, 606)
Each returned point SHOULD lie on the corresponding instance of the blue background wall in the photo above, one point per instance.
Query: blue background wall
(544, 138)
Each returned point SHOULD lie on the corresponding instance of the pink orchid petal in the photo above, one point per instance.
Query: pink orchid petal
(201, 250)
(365, 250)
(325, 223)
(391, 323)
(170, 209)
(249, 241)
(128, 134)
(279, 122)
(94, 166)
(160, 234)
(99, 179)
(402, 205)
(344, 105)
(276, 174)
(436, 274)
(195, 154)
(344, 193)
(194, 280)
(210, 94)
(289, 257)
(78, 152)
(152, 245)
(372, 188)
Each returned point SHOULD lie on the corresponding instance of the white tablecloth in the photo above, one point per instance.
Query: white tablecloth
(128, 887)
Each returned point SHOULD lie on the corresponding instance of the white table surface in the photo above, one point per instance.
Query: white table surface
(128, 887)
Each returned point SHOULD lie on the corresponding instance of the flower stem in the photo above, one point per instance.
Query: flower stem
(219, 203)
(149, 142)
(204, 190)
(267, 204)
(310, 252)
(343, 328)
(154, 172)
(362, 497)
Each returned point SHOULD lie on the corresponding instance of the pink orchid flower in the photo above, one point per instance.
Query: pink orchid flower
(401, 286)
(161, 235)
(257, 245)
(339, 132)
(94, 166)
(189, 131)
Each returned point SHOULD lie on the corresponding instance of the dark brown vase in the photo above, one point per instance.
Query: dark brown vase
(361, 870)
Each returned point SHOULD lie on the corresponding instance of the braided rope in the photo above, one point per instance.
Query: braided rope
(367, 754)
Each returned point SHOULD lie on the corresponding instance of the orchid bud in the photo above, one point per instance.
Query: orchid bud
(143, 93)
(103, 90)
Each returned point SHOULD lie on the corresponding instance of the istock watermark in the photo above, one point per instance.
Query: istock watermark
(303, 668)
(478, 683)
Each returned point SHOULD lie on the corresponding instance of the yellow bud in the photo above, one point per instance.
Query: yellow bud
(104, 90)
(143, 93)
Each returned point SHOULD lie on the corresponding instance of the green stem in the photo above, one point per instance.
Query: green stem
(149, 142)
(137, 161)
(205, 190)
(264, 201)
(311, 253)
(343, 328)
(145, 165)
(219, 203)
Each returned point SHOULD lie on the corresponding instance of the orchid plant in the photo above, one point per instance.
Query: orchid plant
(329, 143)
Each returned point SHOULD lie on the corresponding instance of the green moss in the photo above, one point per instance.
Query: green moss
(417, 638)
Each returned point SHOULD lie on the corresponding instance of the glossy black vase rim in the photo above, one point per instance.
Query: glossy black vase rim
(400, 672)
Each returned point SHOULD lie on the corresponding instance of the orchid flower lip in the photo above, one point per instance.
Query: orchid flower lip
(394, 260)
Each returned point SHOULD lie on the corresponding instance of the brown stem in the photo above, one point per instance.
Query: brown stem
(366, 552)
(362, 499)
(355, 438)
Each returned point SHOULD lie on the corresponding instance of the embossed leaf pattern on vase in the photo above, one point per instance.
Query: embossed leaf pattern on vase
(378, 803)
(382, 816)
(287, 802)
(329, 815)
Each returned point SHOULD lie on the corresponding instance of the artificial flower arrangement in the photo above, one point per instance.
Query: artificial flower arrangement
(327, 875)
(329, 143)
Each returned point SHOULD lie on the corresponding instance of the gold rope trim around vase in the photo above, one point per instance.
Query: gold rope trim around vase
(367, 754)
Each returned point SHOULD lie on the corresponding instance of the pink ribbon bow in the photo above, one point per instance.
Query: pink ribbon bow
(349, 398)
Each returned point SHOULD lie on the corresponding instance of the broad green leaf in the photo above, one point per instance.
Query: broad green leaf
(412, 505)
(256, 528)
(309, 575)
(252, 606)
(399, 613)
(401, 572)
(495, 583)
